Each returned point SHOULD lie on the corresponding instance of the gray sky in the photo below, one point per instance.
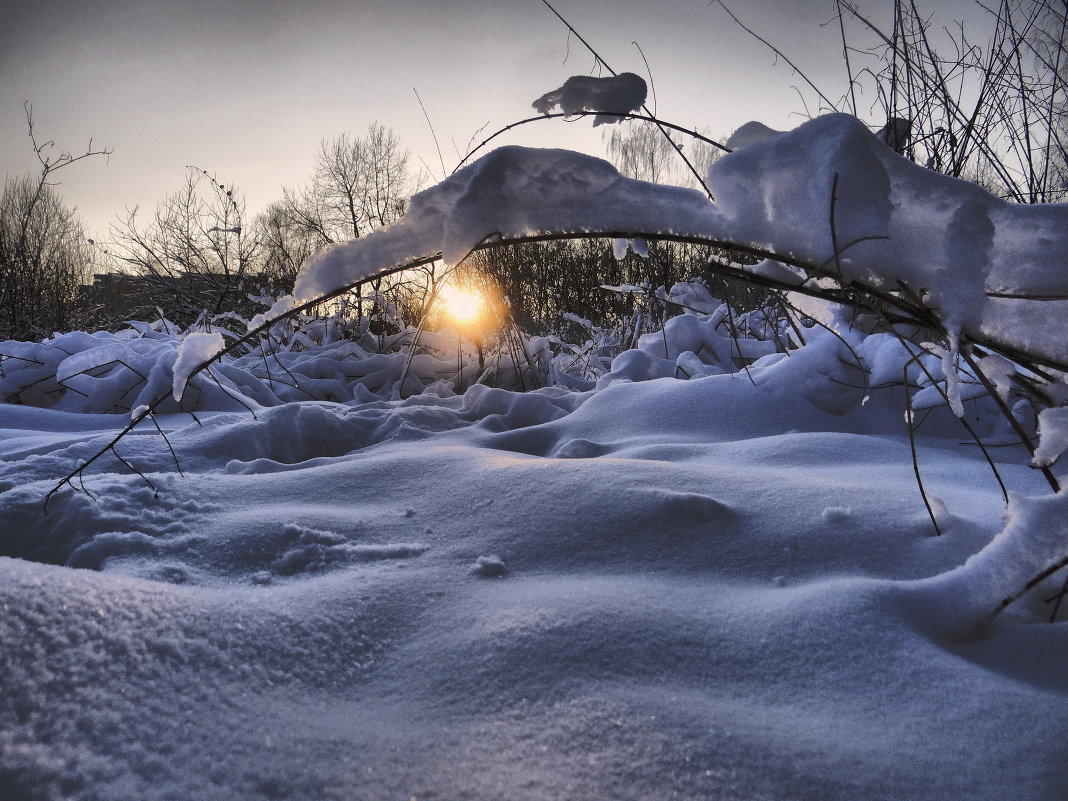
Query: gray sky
(246, 89)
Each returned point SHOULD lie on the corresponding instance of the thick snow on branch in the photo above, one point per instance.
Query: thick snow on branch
(195, 349)
(894, 221)
(940, 235)
(511, 192)
(750, 134)
(619, 94)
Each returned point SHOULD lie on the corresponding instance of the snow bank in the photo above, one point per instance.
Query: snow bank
(700, 586)
(133, 369)
(689, 346)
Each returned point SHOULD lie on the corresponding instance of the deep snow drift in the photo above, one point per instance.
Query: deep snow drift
(681, 579)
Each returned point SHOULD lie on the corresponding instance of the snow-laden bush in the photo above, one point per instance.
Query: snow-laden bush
(325, 358)
(144, 364)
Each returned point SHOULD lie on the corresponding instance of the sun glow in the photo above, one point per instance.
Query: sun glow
(464, 306)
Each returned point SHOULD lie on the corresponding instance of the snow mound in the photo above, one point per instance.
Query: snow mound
(490, 567)
(750, 133)
(962, 603)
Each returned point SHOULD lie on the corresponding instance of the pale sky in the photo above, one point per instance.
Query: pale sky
(246, 89)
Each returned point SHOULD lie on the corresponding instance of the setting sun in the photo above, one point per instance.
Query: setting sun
(461, 304)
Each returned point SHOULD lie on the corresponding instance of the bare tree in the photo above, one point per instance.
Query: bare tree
(44, 255)
(194, 257)
(285, 245)
(1050, 51)
(359, 183)
(44, 258)
(991, 111)
(640, 150)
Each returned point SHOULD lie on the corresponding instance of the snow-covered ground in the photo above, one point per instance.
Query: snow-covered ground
(709, 590)
(724, 587)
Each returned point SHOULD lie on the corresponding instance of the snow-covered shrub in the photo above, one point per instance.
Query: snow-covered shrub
(315, 358)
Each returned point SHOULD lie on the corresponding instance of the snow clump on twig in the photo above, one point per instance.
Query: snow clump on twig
(621, 94)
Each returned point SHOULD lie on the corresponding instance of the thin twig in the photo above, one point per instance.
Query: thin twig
(834, 232)
(912, 446)
(778, 53)
(1036, 580)
(1006, 412)
(555, 115)
(174, 456)
(133, 469)
(1059, 597)
(441, 158)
